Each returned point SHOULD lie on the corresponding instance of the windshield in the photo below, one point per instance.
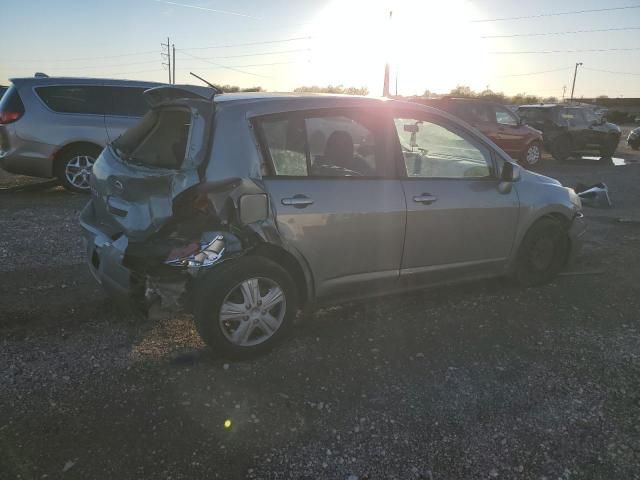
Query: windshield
(158, 140)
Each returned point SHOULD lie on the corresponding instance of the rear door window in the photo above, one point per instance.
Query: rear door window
(74, 98)
(126, 101)
(159, 140)
(325, 145)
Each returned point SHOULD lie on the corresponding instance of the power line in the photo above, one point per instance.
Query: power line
(92, 67)
(261, 54)
(570, 32)
(257, 65)
(85, 58)
(535, 73)
(611, 71)
(250, 43)
(225, 66)
(526, 52)
(542, 15)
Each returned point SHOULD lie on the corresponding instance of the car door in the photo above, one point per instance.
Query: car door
(458, 224)
(577, 125)
(336, 199)
(124, 108)
(512, 133)
(596, 135)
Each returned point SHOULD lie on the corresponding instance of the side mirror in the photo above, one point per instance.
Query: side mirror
(507, 174)
(510, 173)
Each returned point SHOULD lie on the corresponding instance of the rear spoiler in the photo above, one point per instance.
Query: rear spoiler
(169, 93)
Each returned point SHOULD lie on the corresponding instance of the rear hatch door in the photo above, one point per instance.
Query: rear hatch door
(137, 177)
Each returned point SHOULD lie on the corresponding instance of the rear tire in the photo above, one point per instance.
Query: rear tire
(248, 330)
(73, 167)
(562, 148)
(609, 148)
(542, 253)
(532, 154)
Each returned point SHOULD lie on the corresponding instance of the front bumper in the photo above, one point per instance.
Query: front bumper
(577, 229)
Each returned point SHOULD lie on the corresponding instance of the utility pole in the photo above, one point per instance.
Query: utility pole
(385, 86)
(173, 52)
(575, 73)
(564, 92)
(167, 56)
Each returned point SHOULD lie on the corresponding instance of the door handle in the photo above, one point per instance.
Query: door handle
(425, 198)
(298, 201)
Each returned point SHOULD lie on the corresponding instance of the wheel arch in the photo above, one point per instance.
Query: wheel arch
(556, 214)
(300, 274)
(59, 154)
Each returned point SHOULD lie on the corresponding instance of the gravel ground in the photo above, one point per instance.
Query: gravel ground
(484, 380)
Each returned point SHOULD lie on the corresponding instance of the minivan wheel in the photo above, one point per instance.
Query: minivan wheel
(561, 148)
(532, 154)
(73, 168)
(542, 253)
(245, 306)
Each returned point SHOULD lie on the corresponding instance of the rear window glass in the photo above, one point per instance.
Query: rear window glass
(532, 114)
(74, 98)
(126, 101)
(11, 101)
(159, 140)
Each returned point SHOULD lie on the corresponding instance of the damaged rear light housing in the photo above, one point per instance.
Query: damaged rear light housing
(197, 255)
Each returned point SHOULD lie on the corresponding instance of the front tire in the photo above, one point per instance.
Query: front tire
(609, 148)
(73, 167)
(562, 148)
(532, 154)
(246, 306)
(542, 253)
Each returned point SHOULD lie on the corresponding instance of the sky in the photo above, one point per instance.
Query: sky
(279, 45)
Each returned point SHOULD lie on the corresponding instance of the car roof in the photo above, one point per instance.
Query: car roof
(42, 81)
(542, 105)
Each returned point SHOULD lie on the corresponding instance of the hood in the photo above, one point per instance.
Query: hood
(532, 130)
(530, 176)
(612, 127)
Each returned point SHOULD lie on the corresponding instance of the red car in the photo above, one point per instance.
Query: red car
(500, 124)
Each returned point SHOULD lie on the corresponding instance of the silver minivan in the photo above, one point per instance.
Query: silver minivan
(245, 208)
(57, 127)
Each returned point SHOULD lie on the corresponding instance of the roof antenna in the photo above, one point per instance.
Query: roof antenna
(217, 91)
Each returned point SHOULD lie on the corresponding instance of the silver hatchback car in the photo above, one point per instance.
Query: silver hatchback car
(57, 127)
(244, 208)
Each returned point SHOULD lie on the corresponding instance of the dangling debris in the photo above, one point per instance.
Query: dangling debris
(596, 196)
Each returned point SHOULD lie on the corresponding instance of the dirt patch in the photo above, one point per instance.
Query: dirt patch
(478, 381)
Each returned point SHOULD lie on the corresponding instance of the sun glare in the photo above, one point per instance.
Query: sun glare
(428, 45)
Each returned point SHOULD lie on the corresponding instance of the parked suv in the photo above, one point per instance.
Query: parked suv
(243, 208)
(56, 127)
(499, 123)
(570, 130)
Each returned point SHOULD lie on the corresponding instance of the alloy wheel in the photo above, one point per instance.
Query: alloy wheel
(533, 154)
(77, 171)
(252, 312)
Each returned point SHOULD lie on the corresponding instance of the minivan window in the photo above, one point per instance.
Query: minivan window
(74, 98)
(126, 101)
(432, 150)
(159, 140)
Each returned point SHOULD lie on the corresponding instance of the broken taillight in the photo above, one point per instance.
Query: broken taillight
(9, 117)
(196, 255)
